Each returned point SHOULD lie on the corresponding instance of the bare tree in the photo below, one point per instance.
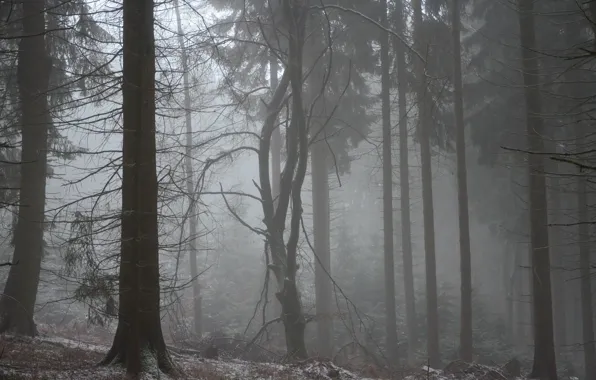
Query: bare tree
(284, 254)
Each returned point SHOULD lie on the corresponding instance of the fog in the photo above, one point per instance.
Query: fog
(327, 91)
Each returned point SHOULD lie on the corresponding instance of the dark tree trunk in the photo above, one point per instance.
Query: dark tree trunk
(424, 107)
(587, 313)
(390, 317)
(545, 366)
(139, 331)
(404, 184)
(276, 136)
(33, 74)
(465, 339)
(284, 256)
(557, 254)
(274, 308)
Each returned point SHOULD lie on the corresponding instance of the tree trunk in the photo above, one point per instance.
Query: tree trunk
(33, 75)
(139, 332)
(404, 183)
(276, 136)
(276, 145)
(465, 339)
(424, 126)
(320, 201)
(557, 254)
(321, 226)
(390, 317)
(284, 255)
(520, 305)
(190, 187)
(585, 268)
(294, 321)
(545, 366)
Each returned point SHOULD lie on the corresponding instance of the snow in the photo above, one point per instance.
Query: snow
(67, 359)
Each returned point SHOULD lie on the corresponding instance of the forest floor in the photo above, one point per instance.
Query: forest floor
(64, 359)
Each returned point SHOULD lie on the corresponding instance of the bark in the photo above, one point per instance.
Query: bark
(190, 186)
(139, 334)
(583, 219)
(404, 181)
(424, 126)
(284, 255)
(390, 317)
(465, 339)
(545, 366)
(33, 74)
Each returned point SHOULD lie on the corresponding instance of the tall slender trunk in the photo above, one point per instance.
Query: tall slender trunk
(465, 339)
(404, 185)
(390, 317)
(284, 255)
(139, 325)
(557, 253)
(33, 75)
(545, 366)
(190, 187)
(276, 136)
(585, 268)
(276, 145)
(320, 199)
(520, 304)
(321, 226)
(424, 121)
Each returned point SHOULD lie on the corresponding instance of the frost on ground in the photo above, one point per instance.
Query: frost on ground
(64, 359)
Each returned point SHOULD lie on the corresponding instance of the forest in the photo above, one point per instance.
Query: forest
(297, 189)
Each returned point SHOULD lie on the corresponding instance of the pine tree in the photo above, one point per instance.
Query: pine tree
(139, 330)
(545, 366)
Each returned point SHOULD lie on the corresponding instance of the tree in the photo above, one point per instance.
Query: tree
(585, 266)
(335, 102)
(139, 330)
(33, 76)
(284, 255)
(423, 101)
(466, 344)
(390, 318)
(545, 366)
(190, 186)
(335, 40)
(404, 181)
